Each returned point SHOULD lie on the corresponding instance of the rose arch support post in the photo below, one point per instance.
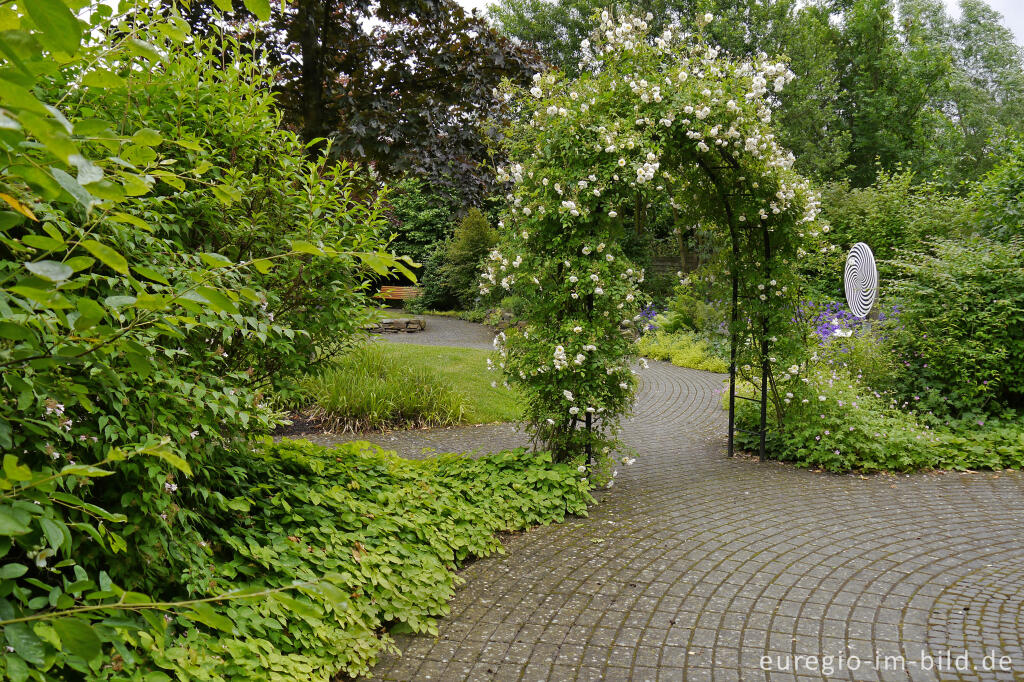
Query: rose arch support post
(762, 399)
(734, 270)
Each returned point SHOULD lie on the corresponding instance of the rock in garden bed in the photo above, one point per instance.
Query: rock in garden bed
(401, 324)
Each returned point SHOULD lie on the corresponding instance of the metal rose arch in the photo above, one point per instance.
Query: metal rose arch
(666, 118)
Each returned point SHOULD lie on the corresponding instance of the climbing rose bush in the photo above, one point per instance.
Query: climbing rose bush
(665, 118)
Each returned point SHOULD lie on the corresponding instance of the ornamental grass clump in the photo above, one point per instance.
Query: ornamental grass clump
(369, 388)
(663, 118)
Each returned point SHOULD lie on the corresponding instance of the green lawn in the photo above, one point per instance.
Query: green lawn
(380, 386)
(465, 371)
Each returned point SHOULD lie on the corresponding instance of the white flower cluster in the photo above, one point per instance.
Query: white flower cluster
(645, 173)
(560, 361)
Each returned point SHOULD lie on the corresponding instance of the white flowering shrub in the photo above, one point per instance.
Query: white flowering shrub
(665, 118)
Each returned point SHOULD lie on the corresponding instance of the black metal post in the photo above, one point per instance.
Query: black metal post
(765, 365)
(589, 419)
(732, 340)
(734, 273)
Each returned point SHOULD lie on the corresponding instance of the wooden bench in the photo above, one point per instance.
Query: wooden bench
(390, 293)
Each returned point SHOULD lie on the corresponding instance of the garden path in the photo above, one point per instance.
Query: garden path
(694, 565)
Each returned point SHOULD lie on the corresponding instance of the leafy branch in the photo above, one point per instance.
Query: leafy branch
(122, 605)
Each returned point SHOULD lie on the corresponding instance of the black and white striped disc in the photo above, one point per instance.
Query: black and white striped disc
(861, 280)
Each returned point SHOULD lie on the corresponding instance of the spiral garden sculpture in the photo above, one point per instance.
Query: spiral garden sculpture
(861, 280)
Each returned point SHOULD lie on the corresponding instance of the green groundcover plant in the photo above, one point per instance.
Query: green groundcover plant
(681, 348)
(378, 536)
(847, 409)
(838, 423)
(312, 557)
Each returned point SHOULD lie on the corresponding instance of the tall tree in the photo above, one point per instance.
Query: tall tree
(894, 80)
(927, 91)
(809, 122)
(887, 81)
(404, 84)
(555, 29)
(797, 31)
(988, 85)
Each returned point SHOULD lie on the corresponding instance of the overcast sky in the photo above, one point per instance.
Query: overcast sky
(1012, 11)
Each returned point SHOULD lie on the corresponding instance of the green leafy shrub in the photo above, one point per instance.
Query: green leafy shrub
(845, 411)
(151, 228)
(867, 355)
(516, 306)
(683, 349)
(438, 293)
(259, 193)
(896, 213)
(833, 422)
(452, 267)
(55, 614)
(687, 312)
(998, 198)
(961, 338)
(470, 244)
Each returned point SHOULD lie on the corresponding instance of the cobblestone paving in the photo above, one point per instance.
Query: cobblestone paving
(446, 331)
(694, 566)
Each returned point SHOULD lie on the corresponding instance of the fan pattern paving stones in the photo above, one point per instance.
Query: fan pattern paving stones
(696, 566)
